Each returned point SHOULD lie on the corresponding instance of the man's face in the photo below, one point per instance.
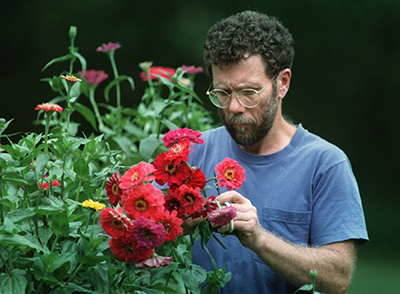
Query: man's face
(247, 126)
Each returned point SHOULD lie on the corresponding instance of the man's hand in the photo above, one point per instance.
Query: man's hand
(189, 223)
(246, 221)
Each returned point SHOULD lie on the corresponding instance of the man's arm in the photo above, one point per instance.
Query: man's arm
(334, 262)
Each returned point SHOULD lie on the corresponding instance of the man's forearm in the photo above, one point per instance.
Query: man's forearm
(333, 262)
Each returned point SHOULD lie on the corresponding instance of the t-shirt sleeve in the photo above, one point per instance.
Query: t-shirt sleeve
(337, 210)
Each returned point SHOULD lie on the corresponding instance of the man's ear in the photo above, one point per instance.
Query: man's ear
(283, 82)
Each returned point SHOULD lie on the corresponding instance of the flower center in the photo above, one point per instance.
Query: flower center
(134, 176)
(170, 168)
(141, 204)
(116, 223)
(190, 198)
(115, 189)
(229, 174)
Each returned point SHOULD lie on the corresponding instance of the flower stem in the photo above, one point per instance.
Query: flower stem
(73, 274)
(117, 86)
(46, 132)
(95, 108)
(69, 109)
(1, 204)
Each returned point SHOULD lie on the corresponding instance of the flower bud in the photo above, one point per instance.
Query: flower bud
(313, 274)
(118, 157)
(145, 66)
(72, 32)
(2, 122)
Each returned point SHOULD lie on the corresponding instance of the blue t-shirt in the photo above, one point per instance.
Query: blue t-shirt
(306, 193)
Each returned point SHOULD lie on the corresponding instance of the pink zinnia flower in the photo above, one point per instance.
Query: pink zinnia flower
(173, 137)
(104, 48)
(148, 233)
(155, 71)
(144, 200)
(192, 69)
(49, 107)
(115, 223)
(222, 217)
(230, 173)
(136, 175)
(94, 77)
(155, 262)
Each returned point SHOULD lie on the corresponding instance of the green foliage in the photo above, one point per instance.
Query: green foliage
(49, 243)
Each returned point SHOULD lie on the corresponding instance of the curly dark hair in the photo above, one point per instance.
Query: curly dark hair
(245, 34)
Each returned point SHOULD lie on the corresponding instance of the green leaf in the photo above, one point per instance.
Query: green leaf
(15, 284)
(48, 210)
(81, 168)
(21, 214)
(169, 124)
(56, 60)
(305, 288)
(60, 224)
(41, 161)
(7, 239)
(148, 146)
(86, 113)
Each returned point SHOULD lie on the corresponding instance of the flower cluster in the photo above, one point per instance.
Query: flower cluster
(147, 216)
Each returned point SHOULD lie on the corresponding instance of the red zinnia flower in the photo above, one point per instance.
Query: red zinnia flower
(45, 186)
(178, 153)
(49, 107)
(148, 233)
(126, 249)
(222, 217)
(115, 223)
(173, 137)
(114, 193)
(209, 206)
(156, 71)
(136, 175)
(169, 172)
(104, 48)
(94, 77)
(171, 222)
(191, 200)
(144, 200)
(196, 179)
(155, 262)
(230, 173)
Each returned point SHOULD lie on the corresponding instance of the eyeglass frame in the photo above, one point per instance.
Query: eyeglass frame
(237, 94)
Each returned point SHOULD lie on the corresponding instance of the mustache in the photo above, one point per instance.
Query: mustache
(240, 119)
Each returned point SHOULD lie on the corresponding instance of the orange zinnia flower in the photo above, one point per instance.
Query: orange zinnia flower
(49, 107)
(71, 79)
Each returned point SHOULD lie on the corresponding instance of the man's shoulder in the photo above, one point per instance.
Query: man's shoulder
(320, 147)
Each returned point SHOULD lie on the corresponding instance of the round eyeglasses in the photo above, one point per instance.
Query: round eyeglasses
(249, 98)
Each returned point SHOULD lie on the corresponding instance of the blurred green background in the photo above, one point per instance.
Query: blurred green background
(344, 86)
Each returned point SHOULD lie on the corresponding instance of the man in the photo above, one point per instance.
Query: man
(299, 208)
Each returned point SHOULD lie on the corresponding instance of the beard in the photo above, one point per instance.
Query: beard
(254, 132)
